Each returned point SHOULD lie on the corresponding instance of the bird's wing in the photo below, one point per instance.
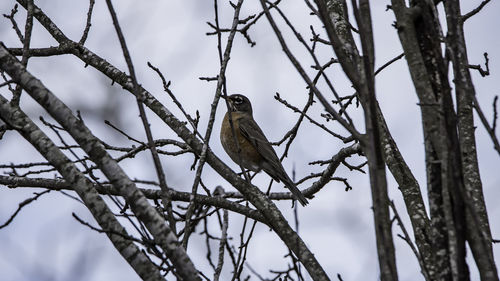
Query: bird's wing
(251, 131)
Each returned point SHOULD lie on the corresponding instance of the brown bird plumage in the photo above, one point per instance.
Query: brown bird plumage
(256, 153)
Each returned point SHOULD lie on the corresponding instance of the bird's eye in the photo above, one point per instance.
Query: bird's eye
(238, 100)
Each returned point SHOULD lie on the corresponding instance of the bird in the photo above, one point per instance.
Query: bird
(253, 152)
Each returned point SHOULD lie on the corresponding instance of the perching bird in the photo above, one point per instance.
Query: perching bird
(255, 151)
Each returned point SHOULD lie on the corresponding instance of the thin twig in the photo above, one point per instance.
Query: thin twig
(22, 205)
(495, 114)
(389, 63)
(110, 232)
(88, 24)
(300, 69)
(244, 250)
(407, 238)
(211, 120)
(123, 132)
(166, 88)
(316, 61)
(475, 11)
(295, 109)
(222, 244)
(14, 23)
(249, 21)
(28, 28)
(482, 72)
(167, 204)
(491, 132)
(292, 134)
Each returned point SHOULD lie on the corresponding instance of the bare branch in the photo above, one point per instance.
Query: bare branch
(407, 239)
(296, 110)
(22, 205)
(88, 24)
(14, 23)
(480, 69)
(224, 60)
(96, 205)
(222, 245)
(490, 130)
(96, 151)
(16, 96)
(475, 11)
(389, 63)
(167, 204)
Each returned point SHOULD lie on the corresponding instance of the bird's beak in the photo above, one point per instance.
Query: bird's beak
(230, 101)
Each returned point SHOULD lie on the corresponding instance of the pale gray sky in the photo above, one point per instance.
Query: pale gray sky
(46, 243)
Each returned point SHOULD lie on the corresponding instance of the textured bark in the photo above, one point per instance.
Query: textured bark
(419, 31)
(360, 71)
(440, 269)
(163, 235)
(478, 230)
(412, 196)
(83, 187)
(407, 183)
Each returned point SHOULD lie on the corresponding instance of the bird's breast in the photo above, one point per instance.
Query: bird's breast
(243, 151)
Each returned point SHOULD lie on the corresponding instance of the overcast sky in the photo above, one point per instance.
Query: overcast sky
(46, 243)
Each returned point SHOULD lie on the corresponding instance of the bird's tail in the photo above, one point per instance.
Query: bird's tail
(295, 191)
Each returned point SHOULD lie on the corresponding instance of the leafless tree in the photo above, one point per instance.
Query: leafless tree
(151, 222)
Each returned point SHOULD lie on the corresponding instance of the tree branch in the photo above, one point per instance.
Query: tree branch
(96, 205)
(96, 151)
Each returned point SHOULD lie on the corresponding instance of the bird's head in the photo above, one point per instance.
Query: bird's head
(239, 103)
